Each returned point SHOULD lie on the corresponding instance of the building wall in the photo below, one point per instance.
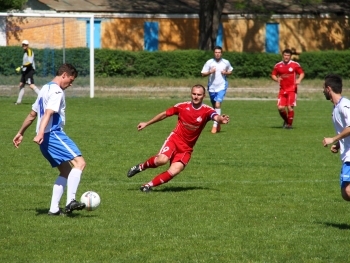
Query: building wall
(46, 32)
(127, 33)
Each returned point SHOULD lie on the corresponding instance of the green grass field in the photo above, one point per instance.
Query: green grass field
(252, 193)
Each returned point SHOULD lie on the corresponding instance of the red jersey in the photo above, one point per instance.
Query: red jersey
(287, 73)
(191, 121)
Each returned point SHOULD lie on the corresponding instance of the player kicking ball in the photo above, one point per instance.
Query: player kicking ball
(178, 147)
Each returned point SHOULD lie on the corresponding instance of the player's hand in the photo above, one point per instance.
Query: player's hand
(141, 126)
(327, 141)
(334, 148)
(38, 139)
(17, 140)
(225, 118)
(212, 70)
(18, 69)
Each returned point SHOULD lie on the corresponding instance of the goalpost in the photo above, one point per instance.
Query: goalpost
(53, 29)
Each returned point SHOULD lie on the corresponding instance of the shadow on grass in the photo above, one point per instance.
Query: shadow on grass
(181, 189)
(176, 189)
(44, 211)
(339, 226)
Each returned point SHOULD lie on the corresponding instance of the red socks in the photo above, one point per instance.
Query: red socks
(150, 163)
(162, 178)
(284, 116)
(290, 117)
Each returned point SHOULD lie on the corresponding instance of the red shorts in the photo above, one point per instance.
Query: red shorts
(176, 150)
(287, 98)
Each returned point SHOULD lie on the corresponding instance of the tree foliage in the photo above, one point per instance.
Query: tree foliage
(7, 5)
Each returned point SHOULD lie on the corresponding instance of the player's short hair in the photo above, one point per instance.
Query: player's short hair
(217, 47)
(335, 82)
(199, 86)
(287, 51)
(67, 68)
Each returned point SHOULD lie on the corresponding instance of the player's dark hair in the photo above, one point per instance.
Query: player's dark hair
(199, 86)
(334, 82)
(287, 51)
(69, 69)
(217, 47)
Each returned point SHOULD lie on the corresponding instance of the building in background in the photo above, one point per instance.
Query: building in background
(172, 25)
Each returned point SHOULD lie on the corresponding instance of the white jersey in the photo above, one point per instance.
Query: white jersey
(51, 96)
(217, 81)
(341, 120)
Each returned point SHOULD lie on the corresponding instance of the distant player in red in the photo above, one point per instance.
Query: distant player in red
(288, 74)
(192, 118)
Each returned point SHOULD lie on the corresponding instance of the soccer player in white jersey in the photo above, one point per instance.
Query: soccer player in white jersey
(341, 119)
(55, 145)
(217, 69)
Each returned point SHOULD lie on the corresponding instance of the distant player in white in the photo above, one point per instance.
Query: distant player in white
(341, 119)
(55, 145)
(217, 69)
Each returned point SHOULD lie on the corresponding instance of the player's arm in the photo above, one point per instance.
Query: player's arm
(158, 117)
(331, 140)
(222, 119)
(39, 138)
(26, 123)
(300, 78)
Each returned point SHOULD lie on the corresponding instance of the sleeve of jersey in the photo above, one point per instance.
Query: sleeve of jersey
(172, 111)
(206, 68)
(55, 98)
(346, 112)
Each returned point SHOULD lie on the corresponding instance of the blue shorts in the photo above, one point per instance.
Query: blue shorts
(57, 148)
(345, 174)
(217, 96)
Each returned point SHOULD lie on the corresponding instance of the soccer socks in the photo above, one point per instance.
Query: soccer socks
(161, 179)
(150, 163)
(36, 89)
(57, 192)
(73, 183)
(20, 95)
(290, 117)
(218, 111)
(283, 114)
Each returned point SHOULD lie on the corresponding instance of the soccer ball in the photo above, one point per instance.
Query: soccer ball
(91, 199)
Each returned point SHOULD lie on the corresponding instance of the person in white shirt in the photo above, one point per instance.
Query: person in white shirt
(332, 90)
(217, 69)
(61, 152)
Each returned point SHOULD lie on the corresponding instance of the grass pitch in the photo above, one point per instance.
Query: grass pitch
(252, 193)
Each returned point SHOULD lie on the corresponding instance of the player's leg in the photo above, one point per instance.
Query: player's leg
(58, 189)
(178, 163)
(74, 177)
(30, 81)
(60, 149)
(281, 106)
(160, 159)
(292, 98)
(345, 181)
(218, 103)
(21, 92)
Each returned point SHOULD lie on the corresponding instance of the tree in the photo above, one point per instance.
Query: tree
(209, 20)
(12, 4)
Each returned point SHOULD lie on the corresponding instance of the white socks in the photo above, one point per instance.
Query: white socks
(218, 111)
(57, 193)
(73, 183)
(36, 89)
(20, 95)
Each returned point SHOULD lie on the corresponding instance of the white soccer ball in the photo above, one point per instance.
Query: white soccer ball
(91, 199)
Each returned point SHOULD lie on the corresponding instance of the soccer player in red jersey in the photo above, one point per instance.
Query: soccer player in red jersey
(177, 148)
(288, 74)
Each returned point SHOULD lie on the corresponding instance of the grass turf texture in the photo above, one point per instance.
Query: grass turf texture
(252, 193)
